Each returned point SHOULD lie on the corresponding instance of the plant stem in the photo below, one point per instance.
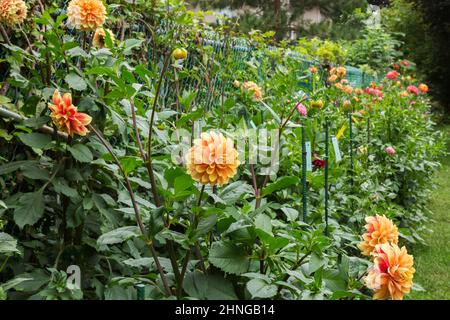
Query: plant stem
(257, 191)
(4, 264)
(152, 119)
(183, 273)
(135, 207)
(360, 277)
(277, 142)
(136, 132)
(198, 253)
(199, 202)
(169, 244)
(26, 39)
(5, 35)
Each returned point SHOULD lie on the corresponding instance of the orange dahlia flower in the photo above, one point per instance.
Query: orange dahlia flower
(86, 14)
(313, 69)
(346, 104)
(99, 37)
(341, 71)
(358, 91)
(332, 78)
(423, 88)
(379, 230)
(253, 88)
(66, 116)
(348, 90)
(392, 273)
(212, 159)
(338, 85)
(12, 12)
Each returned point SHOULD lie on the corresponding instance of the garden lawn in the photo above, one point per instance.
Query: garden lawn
(432, 262)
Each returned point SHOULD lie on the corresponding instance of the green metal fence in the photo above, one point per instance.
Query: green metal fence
(213, 84)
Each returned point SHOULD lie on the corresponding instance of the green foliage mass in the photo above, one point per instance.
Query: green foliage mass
(119, 203)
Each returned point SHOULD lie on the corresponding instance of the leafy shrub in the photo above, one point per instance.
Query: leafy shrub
(377, 49)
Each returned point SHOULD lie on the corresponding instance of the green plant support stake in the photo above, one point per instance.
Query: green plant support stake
(368, 141)
(140, 288)
(327, 138)
(350, 126)
(304, 185)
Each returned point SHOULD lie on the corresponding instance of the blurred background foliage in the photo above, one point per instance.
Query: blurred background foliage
(346, 32)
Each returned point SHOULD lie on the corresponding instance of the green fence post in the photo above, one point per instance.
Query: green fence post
(140, 288)
(304, 185)
(368, 141)
(350, 125)
(327, 138)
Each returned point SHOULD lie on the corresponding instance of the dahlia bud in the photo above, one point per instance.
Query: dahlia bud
(180, 54)
(302, 109)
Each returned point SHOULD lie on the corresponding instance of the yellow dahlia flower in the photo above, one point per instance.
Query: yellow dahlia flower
(99, 37)
(86, 14)
(379, 230)
(12, 12)
(392, 273)
(212, 159)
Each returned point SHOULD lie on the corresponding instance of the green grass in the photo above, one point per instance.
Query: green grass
(432, 262)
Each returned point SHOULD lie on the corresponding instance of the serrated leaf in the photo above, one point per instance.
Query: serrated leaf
(139, 263)
(36, 173)
(130, 44)
(35, 139)
(234, 191)
(16, 165)
(81, 153)
(259, 288)
(75, 82)
(77, 52)
(118, 235)
(205, 225)
(129, 164)
(264, 223)
(8, 244)
(30, 209)
(290, 213)
(280, 184)
(61, 186)
(315, 262)
(229, 257)
(208, 286)
(182, 183)
(273, 243)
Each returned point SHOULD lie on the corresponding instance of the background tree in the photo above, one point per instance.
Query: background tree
(425, 29)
